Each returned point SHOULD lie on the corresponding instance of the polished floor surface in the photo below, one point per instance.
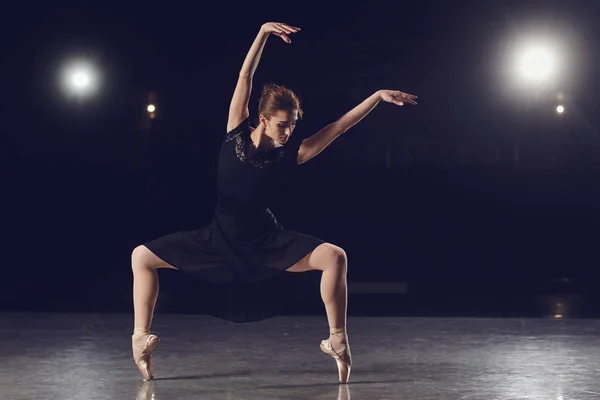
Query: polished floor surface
(87, 356)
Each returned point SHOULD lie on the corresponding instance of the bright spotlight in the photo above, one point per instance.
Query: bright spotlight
(560, 109)
(151, 108)
(536, 64)
(80, 79)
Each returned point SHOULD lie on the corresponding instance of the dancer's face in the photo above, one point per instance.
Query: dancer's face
(280, 126)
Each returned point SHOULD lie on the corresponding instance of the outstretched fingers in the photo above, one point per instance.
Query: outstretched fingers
(397, 97)
(287, 28)
(282, 35)
(409, 98)
(280, 29)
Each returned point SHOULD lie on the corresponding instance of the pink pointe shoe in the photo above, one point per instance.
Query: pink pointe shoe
(341, 353)
(143, 347)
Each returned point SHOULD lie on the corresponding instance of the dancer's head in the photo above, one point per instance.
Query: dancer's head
(278, 110)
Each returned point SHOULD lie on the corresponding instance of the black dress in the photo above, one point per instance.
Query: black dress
(245, 249)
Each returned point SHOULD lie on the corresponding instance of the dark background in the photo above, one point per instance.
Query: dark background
(479, 201)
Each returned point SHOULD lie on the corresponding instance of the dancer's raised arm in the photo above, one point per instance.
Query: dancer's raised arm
(238, 109)
(315, 144)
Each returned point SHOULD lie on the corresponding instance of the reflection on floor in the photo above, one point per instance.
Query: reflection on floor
(87, 356)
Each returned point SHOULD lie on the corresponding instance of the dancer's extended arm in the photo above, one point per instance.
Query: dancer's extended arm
(238, 109)
(315, 144)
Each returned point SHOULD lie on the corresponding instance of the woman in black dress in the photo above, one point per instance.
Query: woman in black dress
(245, 243)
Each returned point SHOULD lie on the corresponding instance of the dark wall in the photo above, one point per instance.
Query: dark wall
(69, 229)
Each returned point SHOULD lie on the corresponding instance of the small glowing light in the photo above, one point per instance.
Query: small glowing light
(560, 109)
(151, 108)
(558, 316)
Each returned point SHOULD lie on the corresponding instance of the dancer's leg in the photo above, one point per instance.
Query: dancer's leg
(144, 264)
(334, 289)
(333, 263)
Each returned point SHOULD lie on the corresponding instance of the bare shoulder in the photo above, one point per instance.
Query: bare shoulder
(234, 121)
(301, 156)
(238, 125)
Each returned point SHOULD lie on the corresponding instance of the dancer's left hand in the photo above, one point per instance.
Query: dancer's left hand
(397, 97)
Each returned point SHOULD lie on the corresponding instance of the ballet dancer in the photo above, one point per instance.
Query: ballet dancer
(245, 242)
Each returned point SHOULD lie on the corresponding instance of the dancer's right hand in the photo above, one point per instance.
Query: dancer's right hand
(280, 29)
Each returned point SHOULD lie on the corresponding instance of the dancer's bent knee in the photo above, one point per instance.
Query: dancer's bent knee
(324, 257)
(143, 258)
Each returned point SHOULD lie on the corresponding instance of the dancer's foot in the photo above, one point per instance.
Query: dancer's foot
(337, 347)
(142, 347)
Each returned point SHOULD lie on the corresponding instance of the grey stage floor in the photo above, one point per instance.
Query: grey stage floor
(87, 356)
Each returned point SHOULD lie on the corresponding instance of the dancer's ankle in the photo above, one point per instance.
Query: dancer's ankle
(338, 335)
(338, 331)
(140, 332)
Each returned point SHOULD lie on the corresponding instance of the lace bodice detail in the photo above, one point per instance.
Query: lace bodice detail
(247, 152)
(249, 180)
